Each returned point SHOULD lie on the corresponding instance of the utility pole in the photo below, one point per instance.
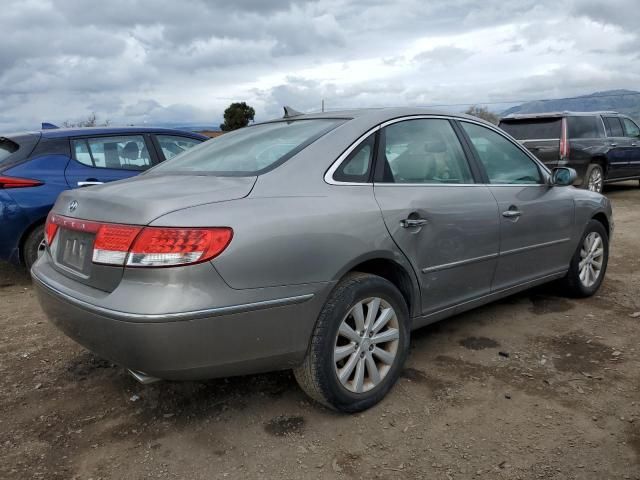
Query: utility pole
(323, 104)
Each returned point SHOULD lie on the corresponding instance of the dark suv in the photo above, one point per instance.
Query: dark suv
(602, 147)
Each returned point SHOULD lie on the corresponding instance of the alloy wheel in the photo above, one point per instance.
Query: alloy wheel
(366, 345)
(595, 180)
(591, 259)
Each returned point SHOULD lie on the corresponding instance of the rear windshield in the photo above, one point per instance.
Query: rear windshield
(533, 129)
(249, 151)
(7, 148)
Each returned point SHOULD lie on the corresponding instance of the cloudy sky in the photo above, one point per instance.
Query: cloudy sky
(168, 61)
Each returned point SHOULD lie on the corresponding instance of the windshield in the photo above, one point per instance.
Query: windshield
(249, 151)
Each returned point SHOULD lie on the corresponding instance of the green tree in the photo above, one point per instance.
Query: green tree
(483, 113)
(237, 115)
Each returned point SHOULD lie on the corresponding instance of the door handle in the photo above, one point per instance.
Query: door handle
(88, 183)
(634, 144)
(613, 144)
(413, 222)
(511, 213)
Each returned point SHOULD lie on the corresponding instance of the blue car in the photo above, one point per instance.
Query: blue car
(36, 166)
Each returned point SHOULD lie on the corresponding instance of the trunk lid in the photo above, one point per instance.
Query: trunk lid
(541, 136)
(136, 201)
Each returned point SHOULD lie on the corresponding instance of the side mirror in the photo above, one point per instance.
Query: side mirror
(563, 176)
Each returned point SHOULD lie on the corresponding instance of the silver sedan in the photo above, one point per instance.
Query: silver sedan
(314, 242)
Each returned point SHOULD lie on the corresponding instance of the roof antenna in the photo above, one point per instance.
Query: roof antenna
(48, 126)
(290, 112)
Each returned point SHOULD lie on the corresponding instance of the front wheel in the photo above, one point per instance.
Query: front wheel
(594, 178)
(589, 263)
(359, 344)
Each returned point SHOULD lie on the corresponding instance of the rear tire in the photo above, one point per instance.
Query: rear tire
(594, 178)
(588, 265)
(359, 345)
(33, 246)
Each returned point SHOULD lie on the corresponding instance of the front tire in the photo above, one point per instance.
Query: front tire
(359, 344)
(589, 262)
(34, 246)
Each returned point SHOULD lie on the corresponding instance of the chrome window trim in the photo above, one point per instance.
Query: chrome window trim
(328, 176)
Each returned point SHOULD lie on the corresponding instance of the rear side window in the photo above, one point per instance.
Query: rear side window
(357, 166)
(585, 127)
(172, 145)
(251, 150)
(423, 151)
(503, 161)
(7, 148)
(533, 129)
(126, 152)
(614, 127)
(630, 128)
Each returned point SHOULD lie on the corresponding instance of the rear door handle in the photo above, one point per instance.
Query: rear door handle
(634, 144)
(613, 144)
(413, 222)
(511, 213)
(88, 183)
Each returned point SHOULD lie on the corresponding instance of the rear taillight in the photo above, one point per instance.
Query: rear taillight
(159, 246)
(564, 141)
(50, 229)
(137, 246)
(15, 182)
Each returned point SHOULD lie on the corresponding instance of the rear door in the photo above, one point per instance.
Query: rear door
(104, 159)
(444, 222)
(536, 220)
(541, 136)
(620, 148)
(632, 132)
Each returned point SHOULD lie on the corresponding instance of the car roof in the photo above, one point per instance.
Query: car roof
(377, 115)
(87, 131)
(525, 116)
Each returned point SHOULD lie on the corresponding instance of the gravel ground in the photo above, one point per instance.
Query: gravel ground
(534, 386)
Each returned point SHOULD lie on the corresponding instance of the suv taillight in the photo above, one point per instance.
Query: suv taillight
(564, 141)
(138, 246)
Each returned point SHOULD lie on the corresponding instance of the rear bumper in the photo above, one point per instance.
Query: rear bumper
(206, 343)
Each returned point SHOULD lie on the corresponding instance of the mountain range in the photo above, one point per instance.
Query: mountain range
(622, 101)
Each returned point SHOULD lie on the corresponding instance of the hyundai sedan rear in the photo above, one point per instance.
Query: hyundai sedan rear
(315, 243)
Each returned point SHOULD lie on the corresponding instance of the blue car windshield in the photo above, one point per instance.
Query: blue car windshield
(249, 151)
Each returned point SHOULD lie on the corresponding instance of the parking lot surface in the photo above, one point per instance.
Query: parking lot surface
(534, 386)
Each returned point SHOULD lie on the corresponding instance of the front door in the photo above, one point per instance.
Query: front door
(632, 133)
(620, 149)
(536, 220)
(442, 220)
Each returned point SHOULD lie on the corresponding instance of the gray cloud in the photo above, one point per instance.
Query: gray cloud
(179, 62)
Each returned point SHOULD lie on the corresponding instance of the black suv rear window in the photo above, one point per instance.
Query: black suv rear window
(7, 148)
(585, 127)
(534, 128)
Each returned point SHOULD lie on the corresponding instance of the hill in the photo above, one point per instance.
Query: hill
(623, 101)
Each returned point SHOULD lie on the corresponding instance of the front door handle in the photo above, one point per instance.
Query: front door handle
(511, 213)
(613, 144)
(413, 222)
(88, 183)
(634, 144)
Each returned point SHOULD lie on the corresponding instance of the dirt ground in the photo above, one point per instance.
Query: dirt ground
(535, 386)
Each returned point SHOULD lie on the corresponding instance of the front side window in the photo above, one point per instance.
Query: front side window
(585, 127)
(423, 151)
(614, 127)
(172, 145)
(630, 128)
(503, 161)
(249, 151)
(125, 152)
